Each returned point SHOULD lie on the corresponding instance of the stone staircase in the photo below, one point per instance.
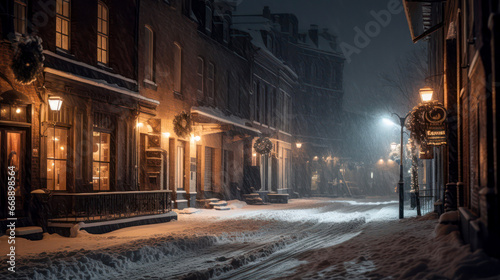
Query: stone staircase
(253, 199)
(213, 203)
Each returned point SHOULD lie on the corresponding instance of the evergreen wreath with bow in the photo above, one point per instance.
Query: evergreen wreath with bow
(263, 145)
(183, 124)
(417, 124)
(28, 59)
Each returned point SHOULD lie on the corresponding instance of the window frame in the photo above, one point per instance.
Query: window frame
(63, 18)
(101, 35)
(201, 76)
(211, 81)
(56, 159)
(17, 20)
(149, 73)
(101, 132)
(208, 18)
(177, 68)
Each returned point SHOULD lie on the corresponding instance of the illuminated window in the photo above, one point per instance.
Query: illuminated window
(57, 151)
(148, 53)
(101, 161)
(62, 24)
(20, 16)
(102, 33)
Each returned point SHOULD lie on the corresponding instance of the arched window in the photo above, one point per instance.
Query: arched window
(102, 33)
(63, 24)
(148, 53)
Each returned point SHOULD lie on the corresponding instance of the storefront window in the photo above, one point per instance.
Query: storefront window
(57, 146)
(101, 161)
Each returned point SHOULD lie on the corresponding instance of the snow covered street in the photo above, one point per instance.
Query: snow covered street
(305, 239)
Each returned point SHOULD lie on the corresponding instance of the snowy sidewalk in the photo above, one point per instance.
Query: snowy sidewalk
(306, 239)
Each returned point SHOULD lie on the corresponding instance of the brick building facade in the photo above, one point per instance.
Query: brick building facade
(462, 38)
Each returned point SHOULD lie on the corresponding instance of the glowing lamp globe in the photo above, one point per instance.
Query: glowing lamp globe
(426, 94)
(55, 103)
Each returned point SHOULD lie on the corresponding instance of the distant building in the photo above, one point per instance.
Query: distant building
(317, 102)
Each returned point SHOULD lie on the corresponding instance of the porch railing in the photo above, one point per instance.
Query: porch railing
(426, 201)
(103, 206)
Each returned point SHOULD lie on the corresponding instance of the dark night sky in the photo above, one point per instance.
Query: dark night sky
(364, 92)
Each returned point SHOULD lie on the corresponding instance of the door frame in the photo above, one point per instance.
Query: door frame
(26, 170)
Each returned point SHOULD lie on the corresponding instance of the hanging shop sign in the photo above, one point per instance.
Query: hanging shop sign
(435, 132)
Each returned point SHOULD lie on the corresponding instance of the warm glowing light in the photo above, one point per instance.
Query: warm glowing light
(426, 94)
(254, 154)
(315, 158)
(52, 164)
(394, 146)
(166, 134)
(140, 124)
(381, 161)
(62, 148)
(18, 110)
(371, 175)
(298, 145)
(55, 103)
(197, 138)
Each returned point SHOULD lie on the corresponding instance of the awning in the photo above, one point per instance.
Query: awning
(214, 121)
(422, 17)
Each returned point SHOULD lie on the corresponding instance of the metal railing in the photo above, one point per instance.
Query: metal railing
(426, 201)
(104, 206)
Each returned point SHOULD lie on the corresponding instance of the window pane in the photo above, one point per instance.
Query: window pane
(50, 143)
(50, 174)
(65, 42)
(104, 57)
(61, 143)
(96, 146)
(65, 27)
(59, 7)
(58, 25)
(60, 175)
(58, 40)
(104, 27)
(95, 176)
(104, 13)
(104, 177)
(104, 43)
(99, 22)
(99, 8)
(66, 9)
(105, 138)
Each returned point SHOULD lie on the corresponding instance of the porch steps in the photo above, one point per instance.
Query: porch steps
(220, 203)
(253, 199)
(223, 208)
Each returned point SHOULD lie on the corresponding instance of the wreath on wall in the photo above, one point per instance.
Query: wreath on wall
(263, 145)
(417, 123)
(183, 124)
(28, 59)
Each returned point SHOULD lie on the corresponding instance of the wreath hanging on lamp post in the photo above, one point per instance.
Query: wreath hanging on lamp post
(263, 145)
(183, 124)
(28, 59)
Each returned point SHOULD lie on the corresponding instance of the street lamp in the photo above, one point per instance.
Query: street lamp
(55, 103)
(298, 145)
(401, 183)
(426, 94)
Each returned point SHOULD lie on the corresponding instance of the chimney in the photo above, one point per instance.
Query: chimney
(313, 33)
(266, 12)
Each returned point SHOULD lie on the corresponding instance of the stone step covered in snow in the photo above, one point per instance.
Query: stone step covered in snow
(206, 203)
(253, 198)
(221, 208)
(31, 232)
(219, 203)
